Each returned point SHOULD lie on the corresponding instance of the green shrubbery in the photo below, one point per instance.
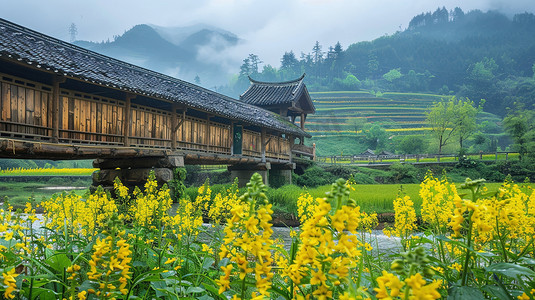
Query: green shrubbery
(314, 176)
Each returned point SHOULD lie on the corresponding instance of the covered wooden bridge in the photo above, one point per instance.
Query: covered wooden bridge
(60, 101)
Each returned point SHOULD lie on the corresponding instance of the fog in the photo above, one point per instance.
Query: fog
(267, 28)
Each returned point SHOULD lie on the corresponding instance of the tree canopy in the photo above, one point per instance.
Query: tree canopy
(452, 118)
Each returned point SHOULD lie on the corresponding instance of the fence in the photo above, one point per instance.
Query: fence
(414, 158)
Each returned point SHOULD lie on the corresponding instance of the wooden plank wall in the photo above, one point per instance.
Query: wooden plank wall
(219, 139)
(278, 147)
(192, 134)
(150, 127)
(24, 109)
(251, 143)
(89, 119)
(26, 112)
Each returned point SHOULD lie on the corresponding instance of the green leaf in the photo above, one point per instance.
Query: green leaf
(58, 262)
(195, 289)
(43, 294)
(496, 292)
(208, 262)
(527, 260)
(223, 263)
(485, 254)
(138, 263)
(159, 287)
(282, 292)
(168, 274)
(212, 289)
(150, 276)
(465, 292)
(510, 270)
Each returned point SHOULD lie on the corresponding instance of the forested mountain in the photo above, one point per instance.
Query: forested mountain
(174, 51)
(479, 55)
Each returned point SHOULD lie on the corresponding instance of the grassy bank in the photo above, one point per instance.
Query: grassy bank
(371, 198)
(18, 193)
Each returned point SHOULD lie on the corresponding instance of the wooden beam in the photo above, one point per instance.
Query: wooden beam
(292, 141)
(174, 126)
(303, 118)
(127, 126)
(207, 139)
(231, 137)
(10, 148)
(263, 144)
(56, 81)
(179, 123)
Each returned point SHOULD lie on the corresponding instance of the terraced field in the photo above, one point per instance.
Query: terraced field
(339, 116)
(399, 113)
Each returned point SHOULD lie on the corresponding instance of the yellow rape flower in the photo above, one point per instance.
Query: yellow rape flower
(9, 282)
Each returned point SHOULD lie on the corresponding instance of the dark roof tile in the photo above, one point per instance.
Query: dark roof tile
(273, 93)
(23, 44)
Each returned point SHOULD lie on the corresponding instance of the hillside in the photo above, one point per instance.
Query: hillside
(478, 55)
(343, 118)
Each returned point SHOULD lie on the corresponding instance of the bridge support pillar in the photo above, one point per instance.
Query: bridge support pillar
(244, 172)
(134, 171)
(281, 174)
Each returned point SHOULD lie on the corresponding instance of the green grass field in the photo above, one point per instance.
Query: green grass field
(370, 197)
(379, 197)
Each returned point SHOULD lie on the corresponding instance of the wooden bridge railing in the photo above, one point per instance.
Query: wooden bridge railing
(27, 112)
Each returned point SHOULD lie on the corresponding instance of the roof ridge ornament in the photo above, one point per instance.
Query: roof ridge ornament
(298, 80)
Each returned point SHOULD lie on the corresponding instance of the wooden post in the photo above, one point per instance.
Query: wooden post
(127, 126)
(231, 136)
(303, 117)
(56, 81)
(291, 140)
(208, 132)
(174, 126)
(263, 144)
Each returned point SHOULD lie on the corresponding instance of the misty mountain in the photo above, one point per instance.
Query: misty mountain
(176, 51)
(478, 55)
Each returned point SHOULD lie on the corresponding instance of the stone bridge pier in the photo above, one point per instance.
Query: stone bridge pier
(134, 171)
(274, 175)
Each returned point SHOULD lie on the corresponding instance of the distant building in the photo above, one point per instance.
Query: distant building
(289, 98)
(368, 152)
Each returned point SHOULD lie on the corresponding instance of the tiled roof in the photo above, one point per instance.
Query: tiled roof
(41, 51)
(273, 93)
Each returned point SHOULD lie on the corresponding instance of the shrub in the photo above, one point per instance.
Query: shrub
(315, 176)
(361, 178)
(413, 144)
(404, 173)
(340, 171)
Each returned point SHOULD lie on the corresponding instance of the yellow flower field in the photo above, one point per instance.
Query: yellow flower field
(46, 172)
(469, 244)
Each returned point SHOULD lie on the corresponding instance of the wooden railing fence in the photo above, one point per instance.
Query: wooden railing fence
(414, 158)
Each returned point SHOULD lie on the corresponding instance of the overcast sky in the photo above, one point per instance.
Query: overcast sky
(268, 27)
